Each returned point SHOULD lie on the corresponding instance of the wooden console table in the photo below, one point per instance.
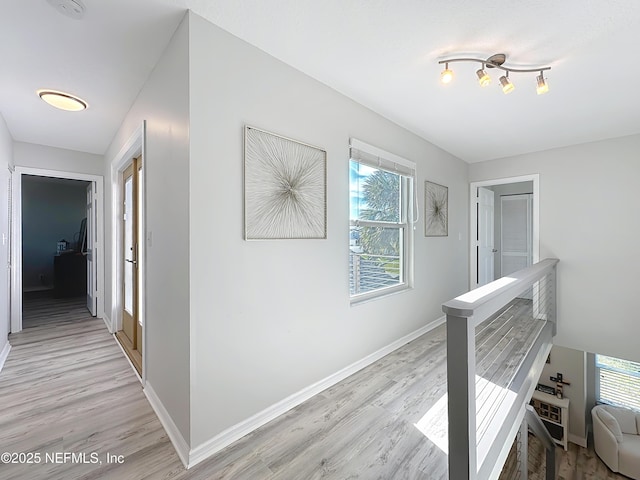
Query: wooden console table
(69, 275)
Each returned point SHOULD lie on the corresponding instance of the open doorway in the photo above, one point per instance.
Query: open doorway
(54, 246)
(505, 222)
(56, 253)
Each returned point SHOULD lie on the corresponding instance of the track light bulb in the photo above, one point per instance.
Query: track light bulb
(543, 87)
(447, 75)
(507, 86)
(483, 78)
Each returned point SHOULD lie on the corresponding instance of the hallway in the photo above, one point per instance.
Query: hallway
(67, 387)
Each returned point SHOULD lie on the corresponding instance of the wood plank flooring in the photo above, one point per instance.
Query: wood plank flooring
(578, 463)
(66, 387)
(40, 308)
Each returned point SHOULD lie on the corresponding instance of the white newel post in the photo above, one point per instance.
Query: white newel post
(461, 378)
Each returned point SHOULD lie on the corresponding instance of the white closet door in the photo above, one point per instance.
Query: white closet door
(516, 232)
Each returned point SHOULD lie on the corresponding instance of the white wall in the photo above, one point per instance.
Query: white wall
(60, 159)
(163, 102)
(572, 365)
(589, 219)
(270, 318)
(6, 158)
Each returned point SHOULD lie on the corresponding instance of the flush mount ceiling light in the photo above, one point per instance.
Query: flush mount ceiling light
(62, 100)
(496, 61)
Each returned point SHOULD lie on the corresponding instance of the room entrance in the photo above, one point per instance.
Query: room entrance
(56, 236)
(504, 225)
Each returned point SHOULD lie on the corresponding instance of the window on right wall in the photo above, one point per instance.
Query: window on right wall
(617, 382)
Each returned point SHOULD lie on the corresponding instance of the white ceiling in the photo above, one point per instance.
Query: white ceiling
(381, 53)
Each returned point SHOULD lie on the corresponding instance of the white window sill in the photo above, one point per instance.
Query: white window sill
(378, 294)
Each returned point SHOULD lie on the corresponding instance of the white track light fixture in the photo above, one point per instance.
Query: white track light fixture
(496, 61)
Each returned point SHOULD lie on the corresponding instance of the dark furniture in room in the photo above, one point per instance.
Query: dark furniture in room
(69, 275)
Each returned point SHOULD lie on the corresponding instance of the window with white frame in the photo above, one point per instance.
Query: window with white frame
(381, 224)
(617, 382)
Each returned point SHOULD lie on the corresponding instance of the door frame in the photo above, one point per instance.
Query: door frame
(16, 236)
(134, 147)
(473, 218)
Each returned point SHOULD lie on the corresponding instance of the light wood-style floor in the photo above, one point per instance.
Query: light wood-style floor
(578, 463)
(67, 387)
(40, 308)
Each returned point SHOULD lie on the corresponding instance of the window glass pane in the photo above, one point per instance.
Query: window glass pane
(128, 245)
(618, 364)
(374, 194)
(375, 259)
(618, 381)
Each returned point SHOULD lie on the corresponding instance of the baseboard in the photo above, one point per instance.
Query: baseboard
(234, 433)
(107, 322)
(578, 440)
(4, 354)
(178, 441)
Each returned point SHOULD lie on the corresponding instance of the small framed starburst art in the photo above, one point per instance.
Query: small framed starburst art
(285, 188)
(436, 210)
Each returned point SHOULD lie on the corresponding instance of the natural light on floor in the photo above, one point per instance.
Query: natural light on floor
(492, 402)
(435, 424)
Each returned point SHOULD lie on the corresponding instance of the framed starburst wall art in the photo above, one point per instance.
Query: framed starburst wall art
(436, 210)
(285, 188)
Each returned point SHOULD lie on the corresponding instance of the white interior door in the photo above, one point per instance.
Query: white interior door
(485, 236)
(92, 297)
(516, 228)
